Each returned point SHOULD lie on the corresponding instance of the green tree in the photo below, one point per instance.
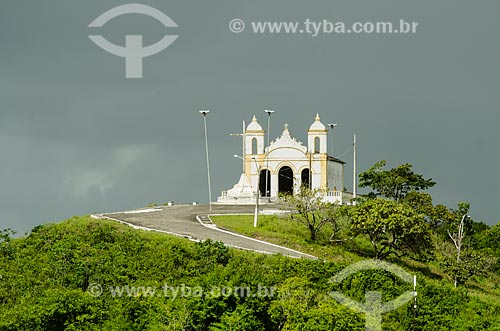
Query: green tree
(311, 210)
(489, 240)
(394, 183)
(470, 264)
(5, 239)
(465, 262)
(213, 252)
(458, 236)
(393, 228)
(6, 234)
(241, 319)
(436, 215)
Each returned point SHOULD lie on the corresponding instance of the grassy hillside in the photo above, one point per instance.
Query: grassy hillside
(282, 231)
(85, 274)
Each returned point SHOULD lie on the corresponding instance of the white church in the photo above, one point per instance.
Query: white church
(285, 165)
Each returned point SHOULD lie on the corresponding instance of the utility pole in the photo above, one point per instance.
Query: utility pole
(256, 213)
(354, 184)
(414, 298)
(332, 126)
(204, 112)
(269, 112)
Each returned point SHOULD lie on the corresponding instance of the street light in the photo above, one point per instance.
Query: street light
(256, 213)
(204, 112)
(332, 126)
(269, 112)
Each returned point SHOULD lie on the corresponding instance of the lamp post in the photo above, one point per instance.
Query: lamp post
(332, 126)
(204, 112)
(256, 213)
(269, 112)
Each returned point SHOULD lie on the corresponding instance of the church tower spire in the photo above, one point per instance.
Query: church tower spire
(254, 138)
(317, 136)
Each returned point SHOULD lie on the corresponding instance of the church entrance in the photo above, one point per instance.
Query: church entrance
(285, 181)
(304, 177)
(262, 183)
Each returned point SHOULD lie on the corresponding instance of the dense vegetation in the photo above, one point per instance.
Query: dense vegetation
(47, 282)
(86, 274)
(395, 221)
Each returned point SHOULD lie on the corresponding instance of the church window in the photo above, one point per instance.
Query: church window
(254, 146)
(316, 145)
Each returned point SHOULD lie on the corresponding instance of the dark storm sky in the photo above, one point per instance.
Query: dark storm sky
(77, 137)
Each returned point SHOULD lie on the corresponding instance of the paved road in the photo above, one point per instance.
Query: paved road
(181, 220)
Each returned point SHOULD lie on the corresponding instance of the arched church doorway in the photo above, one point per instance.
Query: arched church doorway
(304, 178)
(262, 183)
(285, 180)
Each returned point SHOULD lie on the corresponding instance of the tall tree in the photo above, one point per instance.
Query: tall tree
(470, 264)
(436, 215)
(394, 183)
(458, 236)
(393, 228)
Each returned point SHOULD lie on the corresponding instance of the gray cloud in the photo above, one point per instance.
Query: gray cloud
(76, 137)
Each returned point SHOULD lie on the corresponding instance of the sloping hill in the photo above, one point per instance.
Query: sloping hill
(85, 274)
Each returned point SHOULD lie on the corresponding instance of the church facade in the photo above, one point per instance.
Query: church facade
(285, 165)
